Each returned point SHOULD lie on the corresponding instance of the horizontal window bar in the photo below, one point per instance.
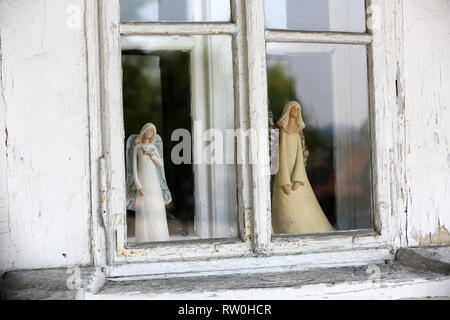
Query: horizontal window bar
(340, 233)
(318, 37)
(177, 28)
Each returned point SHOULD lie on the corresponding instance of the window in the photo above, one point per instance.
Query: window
(233, 66)
(182, 83)
(174, 10)
(330, 82)
(319, 15)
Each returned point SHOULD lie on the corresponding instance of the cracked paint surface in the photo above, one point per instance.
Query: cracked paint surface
(44, 136)
(427, 115)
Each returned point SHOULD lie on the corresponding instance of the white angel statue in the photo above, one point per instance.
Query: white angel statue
(147, 191)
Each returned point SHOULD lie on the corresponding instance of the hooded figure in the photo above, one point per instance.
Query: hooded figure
(295, 208)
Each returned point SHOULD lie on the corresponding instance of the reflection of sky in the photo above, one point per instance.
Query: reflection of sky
(312, 80)
(153, 10)
(307, 14)
(149, 10)
(317, 15)
(313, 74)
(174, 10)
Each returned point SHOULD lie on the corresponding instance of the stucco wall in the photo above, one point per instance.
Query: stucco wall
(44, 168)
(44, 136)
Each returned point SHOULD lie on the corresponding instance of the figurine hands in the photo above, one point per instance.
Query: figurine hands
(297, 184)
(155, 162)
(286, 189)
(141, 191)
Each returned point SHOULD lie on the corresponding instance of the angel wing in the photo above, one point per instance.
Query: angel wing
(305, 149)
(160, 171)
(131, 188)
(274, 140)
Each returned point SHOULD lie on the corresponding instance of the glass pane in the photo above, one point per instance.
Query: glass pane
(330, 83)
(316, 15)
(174, 10)
(183, 86)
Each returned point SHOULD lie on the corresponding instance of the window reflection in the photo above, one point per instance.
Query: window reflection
(316, 15)
(174, 10)
(330, 82)
(176, 83)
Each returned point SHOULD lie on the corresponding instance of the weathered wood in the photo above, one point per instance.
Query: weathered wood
(177, 28)
(44, 161)
(426, 31)
(249, 265)
(240, 74)
(258, 118)
(98, 180)
(424, 259)
(5, 230)
(317, 37)
(373, 281)
(112, 130)
(51, 284)
(387, 123)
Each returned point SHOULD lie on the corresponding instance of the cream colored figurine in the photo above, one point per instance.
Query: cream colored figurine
(295, 208)
(147, 191)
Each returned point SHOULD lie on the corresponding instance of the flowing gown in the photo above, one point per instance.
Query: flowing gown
(298, 212)
(151, 221)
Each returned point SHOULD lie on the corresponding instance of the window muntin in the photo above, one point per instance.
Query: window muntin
(330, 82)
(185, 84)
(175, 10)
(317, 15)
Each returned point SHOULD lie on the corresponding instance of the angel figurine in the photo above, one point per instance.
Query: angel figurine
(295, 208)
(147, 191)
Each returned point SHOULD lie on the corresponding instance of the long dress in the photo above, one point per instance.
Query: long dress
(151, 221)
(298, 212)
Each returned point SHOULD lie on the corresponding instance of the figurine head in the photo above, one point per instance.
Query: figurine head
(292, 109)
(148, 132)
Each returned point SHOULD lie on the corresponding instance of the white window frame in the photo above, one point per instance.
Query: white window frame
(104, 30)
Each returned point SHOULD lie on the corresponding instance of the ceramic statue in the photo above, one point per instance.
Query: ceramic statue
(295, 208)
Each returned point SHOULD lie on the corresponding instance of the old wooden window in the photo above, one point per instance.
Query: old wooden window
(330, 80)
(230, 58)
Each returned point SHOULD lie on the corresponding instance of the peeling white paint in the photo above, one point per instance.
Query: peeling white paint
(427, 116)
(49, 148)
(44, 179)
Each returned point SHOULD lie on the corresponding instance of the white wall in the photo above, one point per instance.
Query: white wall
(427, 114)
(44, 157)
(44, 168)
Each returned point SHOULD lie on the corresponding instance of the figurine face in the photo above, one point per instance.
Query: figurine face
(148, 135)
(294, 112)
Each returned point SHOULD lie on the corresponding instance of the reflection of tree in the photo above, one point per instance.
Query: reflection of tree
(364, 131)
(281, 89)
(141, 94)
